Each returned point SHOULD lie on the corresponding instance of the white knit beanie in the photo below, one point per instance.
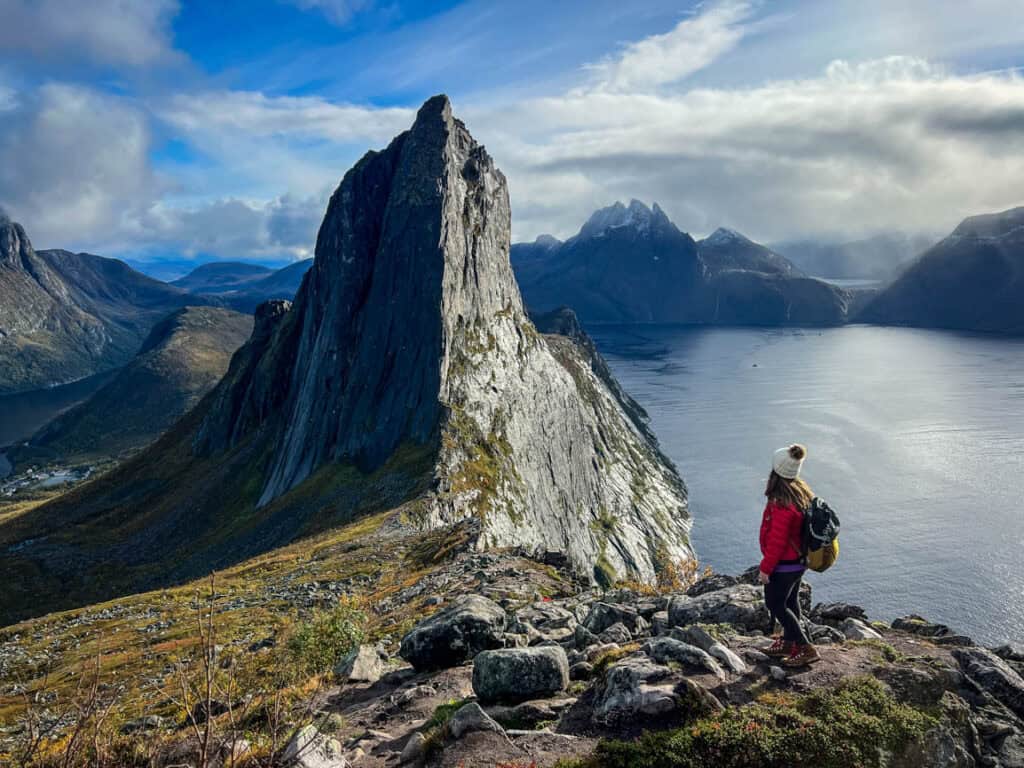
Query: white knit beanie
(787, 461)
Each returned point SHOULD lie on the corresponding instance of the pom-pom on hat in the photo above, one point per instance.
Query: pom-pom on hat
(787, 461)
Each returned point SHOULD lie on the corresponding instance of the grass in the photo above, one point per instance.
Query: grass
(849, 726)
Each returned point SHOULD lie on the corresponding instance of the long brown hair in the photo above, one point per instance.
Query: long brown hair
(788, 493)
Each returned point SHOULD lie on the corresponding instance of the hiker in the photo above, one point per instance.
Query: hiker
(782, 566)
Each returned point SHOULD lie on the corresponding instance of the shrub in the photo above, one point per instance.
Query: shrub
(843, 727)
(316, 646)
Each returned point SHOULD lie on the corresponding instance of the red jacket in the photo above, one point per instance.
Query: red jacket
(780, 532)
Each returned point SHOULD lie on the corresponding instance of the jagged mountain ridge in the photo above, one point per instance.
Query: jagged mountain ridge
(183, 358)
(631, 264)
(65, 316)
(971, 280)
(407, 372)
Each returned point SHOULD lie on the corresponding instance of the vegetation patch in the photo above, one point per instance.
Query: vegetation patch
(851, 725)
(318, 645)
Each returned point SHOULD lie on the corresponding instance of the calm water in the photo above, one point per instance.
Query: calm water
(22, 414)
(915, 437)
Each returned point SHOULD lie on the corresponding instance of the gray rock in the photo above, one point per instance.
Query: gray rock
(616, 633)
(855, 629)
(583, 637)
(1010, 652)
(741, 606)
(756, 657)
(917, 625)
(455, 635)
(666, 649)
(516, 674)
(712, 583)
(838, 612)
(823, 633)
(659, 623)
(994, 676)
(415, 749)
(361, 665)
(309, 748)
(694, 635)
(730, 660)
(600, 649)
(604, 615)
(778, 674)
(470, 718)
(637, 687)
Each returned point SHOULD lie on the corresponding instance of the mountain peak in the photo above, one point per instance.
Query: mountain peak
(14, 243)
(636, 216)
(725, 236)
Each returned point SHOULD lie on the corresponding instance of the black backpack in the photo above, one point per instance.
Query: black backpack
(819, 536)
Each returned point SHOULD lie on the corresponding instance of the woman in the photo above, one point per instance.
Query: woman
(782, 567)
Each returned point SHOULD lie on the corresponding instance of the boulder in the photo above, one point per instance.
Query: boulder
(855, 629)
(917, 625)
(838, 612)
(636, 687)
(604, 615)
(616, 633)
(741, 605)
(581, 671)
(517, 674)
(471, 718)
(711, 583)
(694, 635)
(361, 665)
(666, 649)
(1010, 652)
(309, 748)
(455, 635)
(730, 660)
(993, 675)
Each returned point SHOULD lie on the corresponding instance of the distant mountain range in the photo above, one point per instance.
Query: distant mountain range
(971, 280)
(183, 358)
(880, 257)
(65, 316)
(632, 264)
(244, 286)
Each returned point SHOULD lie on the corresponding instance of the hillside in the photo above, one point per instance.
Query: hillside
(443, 656)
(183, 358)
(631, 264)
(375, 391)
(65, 316)
(972, 280)
(242, 286)
(221, 276)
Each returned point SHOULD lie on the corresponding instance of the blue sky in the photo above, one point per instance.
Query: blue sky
(161, 129)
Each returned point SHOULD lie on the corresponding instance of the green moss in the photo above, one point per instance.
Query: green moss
(606, 659)
(886, 652)
(852, 724)
(444, 713)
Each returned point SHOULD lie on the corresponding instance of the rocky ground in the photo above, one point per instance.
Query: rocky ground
(495, 659)
(485, 683)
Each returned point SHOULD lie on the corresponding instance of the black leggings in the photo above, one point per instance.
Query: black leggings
(782, 597)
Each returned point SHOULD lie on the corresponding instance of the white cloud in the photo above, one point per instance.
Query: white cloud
(74, 164)
(692, 45)
(110, 32)
(250, 113)
(891, 144)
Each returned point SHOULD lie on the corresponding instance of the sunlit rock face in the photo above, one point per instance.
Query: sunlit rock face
(409, 330)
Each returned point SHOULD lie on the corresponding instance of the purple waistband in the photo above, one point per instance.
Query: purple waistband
(793, 568)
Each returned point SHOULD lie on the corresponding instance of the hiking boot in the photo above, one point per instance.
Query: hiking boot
(801, 656)
(780, 649)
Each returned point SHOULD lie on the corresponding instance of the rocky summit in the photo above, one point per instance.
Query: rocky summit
(407, 372)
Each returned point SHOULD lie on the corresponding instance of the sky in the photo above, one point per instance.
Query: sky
(172, 129)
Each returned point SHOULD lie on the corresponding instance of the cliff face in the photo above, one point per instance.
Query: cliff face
(410, 329)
